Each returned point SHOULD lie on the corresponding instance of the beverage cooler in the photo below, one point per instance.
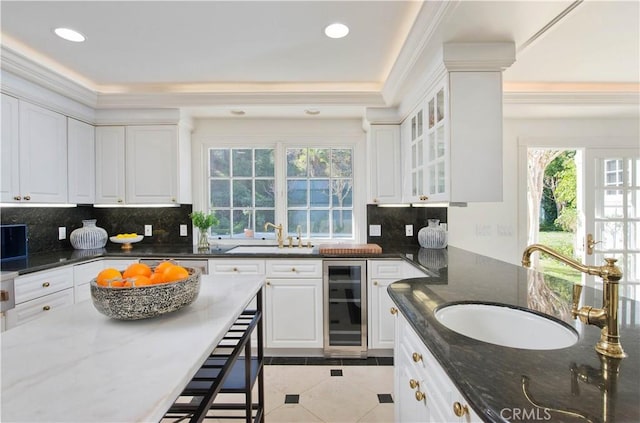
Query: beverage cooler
(345, 308)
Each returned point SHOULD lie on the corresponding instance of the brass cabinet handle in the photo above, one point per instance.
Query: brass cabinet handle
(420, 396)
(46, 308)
(235, 269)
(173, 200)
(27, 197)
(268, 283)
(459, 409)
(293, 269)
(413, 384)
(17, 198)
(375, 283)
(120, 200)
(393, 310)
(416, 357)
(46, 284)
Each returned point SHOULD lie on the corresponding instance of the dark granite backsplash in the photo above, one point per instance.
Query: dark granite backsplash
(43, 223)
(394, 219)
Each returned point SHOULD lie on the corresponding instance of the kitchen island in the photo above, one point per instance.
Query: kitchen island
(502, 384)
(81, 366)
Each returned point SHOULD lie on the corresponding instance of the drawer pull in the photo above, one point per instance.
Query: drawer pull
(293, 269)
(235, 269)
(416, 357)
(46, 284)
(375, 283)
(27, 197)
(17, 198)
(46, 308)
(459, 409)
(420, 396)
(268, 283)
(393, 311)
(413, 384)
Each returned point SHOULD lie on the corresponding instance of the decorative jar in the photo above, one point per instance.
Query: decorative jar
(433, 236)
(89, 236)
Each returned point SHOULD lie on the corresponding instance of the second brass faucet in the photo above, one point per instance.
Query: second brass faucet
(606, 318)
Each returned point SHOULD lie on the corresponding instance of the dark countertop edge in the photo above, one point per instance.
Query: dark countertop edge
(47, 261)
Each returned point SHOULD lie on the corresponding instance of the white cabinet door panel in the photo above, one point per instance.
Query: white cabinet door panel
(81, 166)
(110, 166)
(10, 150)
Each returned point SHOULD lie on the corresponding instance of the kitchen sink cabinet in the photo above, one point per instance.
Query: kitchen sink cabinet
(142, 164)
(81, 166)
(452, 141)
(424, 392)
(385, 175)
(34, 151)
(293, 304)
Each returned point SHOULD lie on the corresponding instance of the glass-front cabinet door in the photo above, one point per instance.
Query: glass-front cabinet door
(436, 142)
(413, 132)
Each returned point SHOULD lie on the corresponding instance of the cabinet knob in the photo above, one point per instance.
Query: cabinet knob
(420, 396)
(173, 200)
(375, 283)
(27, 197)
(46, 284)
(416, 357)
(268, 283)
(393, 310)
(375, 200)
(413, 384)
(17, 198)
(293, 269)
(120, 200)
(459, 409)
(46, 308)
(235, 269)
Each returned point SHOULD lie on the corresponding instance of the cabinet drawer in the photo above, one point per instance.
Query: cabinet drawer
(236, 267)
(39, 284)
(294, 268)
(83, 273)
(385, 269)
(38, 307)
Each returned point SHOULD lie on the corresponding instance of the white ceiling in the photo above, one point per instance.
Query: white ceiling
(241, 50)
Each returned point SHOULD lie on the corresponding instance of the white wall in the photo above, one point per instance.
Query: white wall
(499, 229)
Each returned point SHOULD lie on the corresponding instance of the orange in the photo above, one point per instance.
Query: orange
(140, 280)
(120, 284)
(161, 267)
(157, 278)
(137, 269)
(107, 275)
(175, 273)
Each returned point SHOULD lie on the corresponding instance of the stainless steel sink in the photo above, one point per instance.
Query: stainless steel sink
(269, 249)
(509, 327)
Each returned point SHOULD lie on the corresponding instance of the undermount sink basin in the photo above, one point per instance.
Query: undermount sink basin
(506, 326)
(268, 249)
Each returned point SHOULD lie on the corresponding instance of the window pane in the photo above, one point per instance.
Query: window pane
(222, 229)
(341, 163)
(219, 194)
(295, 218)
(219, 162)
(242, 162)
(240, 222)
(262, 217)
(297, 193)
(318, 162)
(296, 162)
(342, 193)
(319, 193)
(342, 223)
(242, 193)
(264, 162)
(265, 193)
(319, 223)
(611, 234)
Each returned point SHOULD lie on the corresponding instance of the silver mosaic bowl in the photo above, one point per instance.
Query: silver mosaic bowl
(143, 302)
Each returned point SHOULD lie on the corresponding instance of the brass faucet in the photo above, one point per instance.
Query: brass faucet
(606, 318)
(278, 229)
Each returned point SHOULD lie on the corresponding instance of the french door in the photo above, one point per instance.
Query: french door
(612, 213)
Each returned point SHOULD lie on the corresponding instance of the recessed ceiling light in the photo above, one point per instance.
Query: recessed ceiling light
(312, 112)
(336, 30)
(70, 35)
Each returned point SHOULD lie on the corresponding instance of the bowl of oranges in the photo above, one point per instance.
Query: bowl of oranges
(141, 292)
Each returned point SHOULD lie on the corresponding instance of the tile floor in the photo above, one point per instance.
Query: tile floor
(305, 390)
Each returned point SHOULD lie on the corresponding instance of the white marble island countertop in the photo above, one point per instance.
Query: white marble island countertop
(77, 365)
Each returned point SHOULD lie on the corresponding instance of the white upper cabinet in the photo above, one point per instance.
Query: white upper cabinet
(110, 166)
(43, 155)
(9, 151)
(151, 164)
(81, 166)
(384, 164)
(141, 164)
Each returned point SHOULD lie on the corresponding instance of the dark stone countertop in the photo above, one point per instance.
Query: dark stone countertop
(491, 377)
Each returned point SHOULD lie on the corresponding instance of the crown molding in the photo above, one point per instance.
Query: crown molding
(138, 116)
(382, 116)
(478, 56)
(572, 98)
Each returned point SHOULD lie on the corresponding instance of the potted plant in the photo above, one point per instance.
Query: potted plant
(203, 222)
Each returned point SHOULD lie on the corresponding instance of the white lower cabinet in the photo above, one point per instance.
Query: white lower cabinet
(381, 274)
(424, 392)
(40, 292)
(293, 304)
(236, 267)
(82, 275)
